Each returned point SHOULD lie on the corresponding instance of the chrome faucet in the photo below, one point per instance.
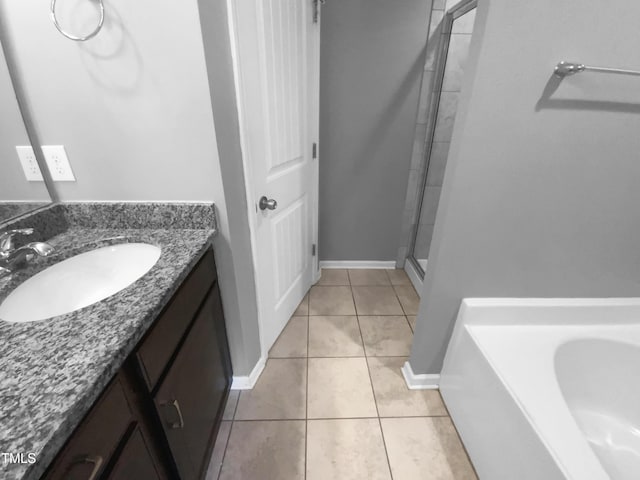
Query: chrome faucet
(12, 258)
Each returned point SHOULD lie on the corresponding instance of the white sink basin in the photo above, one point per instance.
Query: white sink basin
(79, 281)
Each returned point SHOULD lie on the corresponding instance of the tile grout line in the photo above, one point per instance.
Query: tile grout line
(340, 356)
(395, 292)
(362, 315)
(233, 417)
(373, 389)
(335, 418)
(306, 399)
(355, 309)
(373, 392)
(402, 306)
(410, 327)
(307, 357)
(226, 443)
(455, 429)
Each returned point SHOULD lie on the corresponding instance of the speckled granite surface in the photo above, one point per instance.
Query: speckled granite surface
(52, 371)
(47, 223)
(9, 210)
(139, 215)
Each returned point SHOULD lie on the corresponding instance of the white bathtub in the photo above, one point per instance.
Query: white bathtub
(546, 389)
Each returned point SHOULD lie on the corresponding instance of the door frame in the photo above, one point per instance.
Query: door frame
(252, 210)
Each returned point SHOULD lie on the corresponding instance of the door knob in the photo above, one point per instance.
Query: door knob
(266, 203)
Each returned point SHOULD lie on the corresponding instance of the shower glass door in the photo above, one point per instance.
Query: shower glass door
(456, 29)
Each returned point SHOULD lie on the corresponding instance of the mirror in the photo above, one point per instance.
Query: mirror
(18, 195)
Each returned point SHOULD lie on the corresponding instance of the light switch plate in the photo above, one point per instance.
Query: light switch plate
(58, 163)
(29, 163)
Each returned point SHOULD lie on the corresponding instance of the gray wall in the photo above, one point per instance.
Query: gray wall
(540, 195)
(371, 62)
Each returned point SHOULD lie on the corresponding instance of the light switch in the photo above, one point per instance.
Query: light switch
(58, 163)
(29, 164)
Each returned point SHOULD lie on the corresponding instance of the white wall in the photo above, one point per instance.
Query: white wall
(540, 196)
(131, 105)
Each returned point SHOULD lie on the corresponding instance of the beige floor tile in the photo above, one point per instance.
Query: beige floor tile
(393, 397)
(408, 298)
(334, 276)
(230, 407)
(368, 276)
(412, 322)
(376, 301)
(280, 392)
(397, 276)
(335, 336)
(218, 451)
(340, 388)
(265, 451)
(292, 342)
(346, 450)
(331, 301)
(303, 308)
(386, 336)
(425, 448)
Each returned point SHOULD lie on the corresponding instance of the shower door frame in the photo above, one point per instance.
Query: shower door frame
(434, 105)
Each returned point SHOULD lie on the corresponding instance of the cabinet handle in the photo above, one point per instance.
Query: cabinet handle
(176, 405)
(97, 463)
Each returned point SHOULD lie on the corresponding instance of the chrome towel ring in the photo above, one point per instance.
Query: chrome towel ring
(73, 37)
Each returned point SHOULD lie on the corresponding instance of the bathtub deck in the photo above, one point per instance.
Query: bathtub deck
(500, 386)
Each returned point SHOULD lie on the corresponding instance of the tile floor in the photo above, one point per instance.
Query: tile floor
(332, 403)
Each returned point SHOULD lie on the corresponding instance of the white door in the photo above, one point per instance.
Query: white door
(276, 64)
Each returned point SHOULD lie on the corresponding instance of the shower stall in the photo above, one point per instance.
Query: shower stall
(447, 49)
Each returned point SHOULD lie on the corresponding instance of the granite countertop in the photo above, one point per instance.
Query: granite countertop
(52, 371)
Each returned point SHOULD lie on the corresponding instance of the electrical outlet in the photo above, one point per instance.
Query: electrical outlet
(29, 164)
(58, 163)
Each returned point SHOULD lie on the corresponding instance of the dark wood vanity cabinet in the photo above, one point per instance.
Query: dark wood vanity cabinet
(98, 437)
(135, 460)
(191, 394)
(159, 417)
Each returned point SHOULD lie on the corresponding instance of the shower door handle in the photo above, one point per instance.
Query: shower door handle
(267, 203)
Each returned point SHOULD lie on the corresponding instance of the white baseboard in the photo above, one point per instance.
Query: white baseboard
(414, 277)
(357, 264)
(423, 381)
(247, 382)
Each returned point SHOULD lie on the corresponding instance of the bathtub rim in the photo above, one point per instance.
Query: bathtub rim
(538, 312)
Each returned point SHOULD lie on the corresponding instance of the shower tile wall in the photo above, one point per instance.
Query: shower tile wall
(457, 55)
(417, 156)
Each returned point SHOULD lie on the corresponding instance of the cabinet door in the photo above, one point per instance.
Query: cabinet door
(135, 461)
(156, 350)
(88, 451)
(189, 401)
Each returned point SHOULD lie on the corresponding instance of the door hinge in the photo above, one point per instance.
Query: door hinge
(314, 150)
(313, 250)
(316, 9)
